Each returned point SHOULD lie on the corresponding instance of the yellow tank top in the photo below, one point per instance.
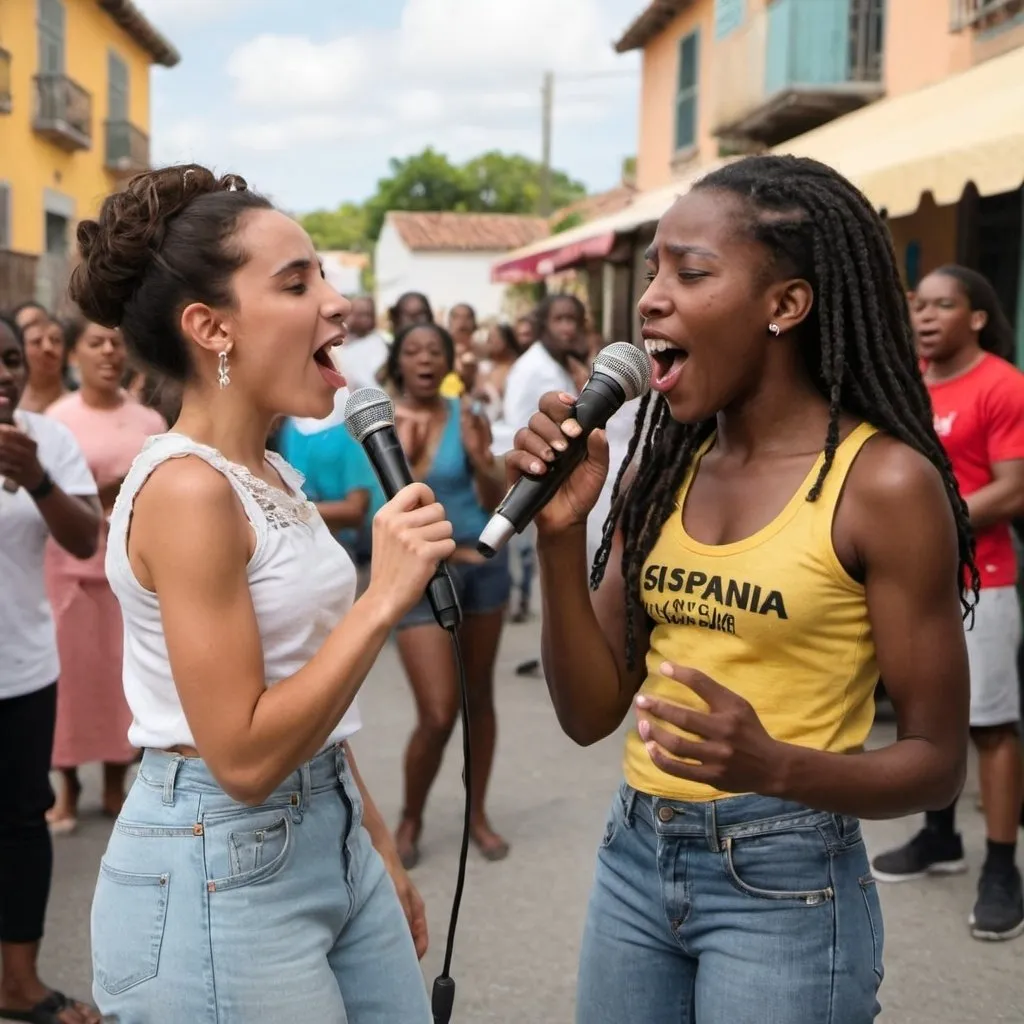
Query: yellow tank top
(774, 617)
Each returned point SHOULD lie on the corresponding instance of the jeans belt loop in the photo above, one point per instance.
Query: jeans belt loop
(170, 777)
(627, 806)
(711, 826)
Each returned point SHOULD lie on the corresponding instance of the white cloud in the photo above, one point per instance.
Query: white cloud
(311, 107)
(494, 39)
(182, 142)
(418, 106)
(469, 67)
(180, 12)
(290, 71)
(278, 135)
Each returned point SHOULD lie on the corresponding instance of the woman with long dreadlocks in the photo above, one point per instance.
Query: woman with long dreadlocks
(791, 529)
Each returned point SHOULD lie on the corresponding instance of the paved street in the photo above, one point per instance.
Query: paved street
(515, 957)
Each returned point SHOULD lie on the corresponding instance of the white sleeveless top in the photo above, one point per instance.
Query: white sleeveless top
(301, 580)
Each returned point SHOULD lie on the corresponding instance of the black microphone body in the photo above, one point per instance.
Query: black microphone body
(608, 389)
(387, 457)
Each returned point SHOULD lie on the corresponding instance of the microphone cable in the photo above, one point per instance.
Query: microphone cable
(442, 998)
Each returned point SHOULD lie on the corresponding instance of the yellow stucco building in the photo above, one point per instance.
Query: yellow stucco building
(74, 124)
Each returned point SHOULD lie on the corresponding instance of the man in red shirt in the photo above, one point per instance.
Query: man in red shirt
(965, 341)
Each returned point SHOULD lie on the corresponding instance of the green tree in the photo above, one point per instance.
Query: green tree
(424, 181)
(490, 183)
(341, 229)
(510, 183)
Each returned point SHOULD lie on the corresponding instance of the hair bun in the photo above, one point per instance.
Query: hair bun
(120, 244)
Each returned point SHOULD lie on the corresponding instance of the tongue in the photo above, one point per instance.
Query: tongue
(326, 364)
(668, 367)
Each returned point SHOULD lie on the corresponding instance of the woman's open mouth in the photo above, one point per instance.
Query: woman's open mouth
(667, 362)
(324, 359)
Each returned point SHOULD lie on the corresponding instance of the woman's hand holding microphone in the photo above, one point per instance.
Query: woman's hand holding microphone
(411, 535)
(549, 431)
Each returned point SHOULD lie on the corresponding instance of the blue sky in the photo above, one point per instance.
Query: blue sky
(308, 99)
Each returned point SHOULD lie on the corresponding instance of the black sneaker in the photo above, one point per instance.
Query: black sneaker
(999, 912)
(928, 853)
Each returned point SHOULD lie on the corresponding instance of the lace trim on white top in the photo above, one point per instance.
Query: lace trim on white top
(280, 509)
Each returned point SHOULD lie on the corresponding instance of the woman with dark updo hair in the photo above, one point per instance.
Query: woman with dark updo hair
(240, 883)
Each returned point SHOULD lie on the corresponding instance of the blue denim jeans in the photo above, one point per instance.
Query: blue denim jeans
(747, 910)
(212, 912)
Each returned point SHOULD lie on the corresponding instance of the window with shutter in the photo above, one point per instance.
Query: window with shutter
(686, 93)
(117, 88)
(51, 37)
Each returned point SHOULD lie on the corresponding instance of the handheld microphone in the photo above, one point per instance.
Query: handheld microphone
(621, 373)
(370, 419)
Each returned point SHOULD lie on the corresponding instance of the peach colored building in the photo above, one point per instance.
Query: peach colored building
(920, 102)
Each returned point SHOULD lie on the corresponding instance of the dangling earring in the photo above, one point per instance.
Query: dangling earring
(223, 374)
(773, 328)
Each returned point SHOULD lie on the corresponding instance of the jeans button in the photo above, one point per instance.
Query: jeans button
(666, 814)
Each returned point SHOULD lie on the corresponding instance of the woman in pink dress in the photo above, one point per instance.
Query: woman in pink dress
(92, 717)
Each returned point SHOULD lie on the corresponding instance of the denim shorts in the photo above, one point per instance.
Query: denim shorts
(208, 911)
(745, 910)
(481, 588)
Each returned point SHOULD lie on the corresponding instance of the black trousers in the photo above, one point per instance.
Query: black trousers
(26, 852)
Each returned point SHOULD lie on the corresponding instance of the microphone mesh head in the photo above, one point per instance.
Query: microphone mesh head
(366, 410)
(628, 365)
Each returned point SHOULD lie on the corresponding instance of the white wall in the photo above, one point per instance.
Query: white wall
(342, 277)
(446, 278)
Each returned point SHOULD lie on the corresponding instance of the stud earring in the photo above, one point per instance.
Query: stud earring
(774, 329)
(223, 371)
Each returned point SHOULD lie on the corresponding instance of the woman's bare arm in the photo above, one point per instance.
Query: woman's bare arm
(583, 639)
(250, 735)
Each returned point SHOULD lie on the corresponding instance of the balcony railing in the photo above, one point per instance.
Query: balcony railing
(127, 149)
(796, 65)
(17, 278)
(5, 82)
(967, 13)
(63, 112)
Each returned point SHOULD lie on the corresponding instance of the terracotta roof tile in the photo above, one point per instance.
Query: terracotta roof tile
(469, 232)
(603, 204)
(142, 30)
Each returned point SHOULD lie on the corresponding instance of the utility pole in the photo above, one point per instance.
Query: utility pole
(547, 104)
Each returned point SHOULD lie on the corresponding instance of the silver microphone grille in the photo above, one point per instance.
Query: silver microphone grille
(628, 365)
(366, 410)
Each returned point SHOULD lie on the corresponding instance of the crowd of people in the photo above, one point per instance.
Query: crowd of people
(112, 625)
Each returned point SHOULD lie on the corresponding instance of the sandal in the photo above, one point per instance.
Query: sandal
(46, 1012)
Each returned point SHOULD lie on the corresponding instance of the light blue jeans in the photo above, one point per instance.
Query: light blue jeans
(211, 912)
(747, 910)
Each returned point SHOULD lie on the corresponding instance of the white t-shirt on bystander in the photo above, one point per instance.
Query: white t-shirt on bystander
(361, 358)
(533, 374)
(28, 642)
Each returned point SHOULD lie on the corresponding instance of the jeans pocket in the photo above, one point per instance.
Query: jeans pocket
(128, 918)
(257, 849)
(250, 849)
(869, 889)
(779, 866)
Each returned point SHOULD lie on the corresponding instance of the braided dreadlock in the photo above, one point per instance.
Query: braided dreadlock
(859, 351)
